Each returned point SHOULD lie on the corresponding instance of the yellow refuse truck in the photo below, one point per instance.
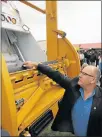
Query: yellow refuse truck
(30, 99)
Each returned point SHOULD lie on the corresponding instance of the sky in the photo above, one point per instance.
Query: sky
(81, 20)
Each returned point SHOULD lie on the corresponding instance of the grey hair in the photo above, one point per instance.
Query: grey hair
(98, 76)
(84, 65)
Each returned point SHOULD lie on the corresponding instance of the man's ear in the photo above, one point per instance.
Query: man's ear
(93, 81)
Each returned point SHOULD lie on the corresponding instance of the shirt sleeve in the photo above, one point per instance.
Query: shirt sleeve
(55, 75)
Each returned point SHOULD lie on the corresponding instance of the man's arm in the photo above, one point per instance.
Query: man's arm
(55, 75)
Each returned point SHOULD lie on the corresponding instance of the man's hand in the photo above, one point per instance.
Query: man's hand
(29, 64)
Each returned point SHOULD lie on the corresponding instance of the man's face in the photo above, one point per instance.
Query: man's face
(86, 77)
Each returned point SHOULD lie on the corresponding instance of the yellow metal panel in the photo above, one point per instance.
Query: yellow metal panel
(23, 78)
(51, 25)
(26, 93)
(45, 102)
(9, 119)
(67, 50)
(26, 87)
(55, 108)
(21, 115)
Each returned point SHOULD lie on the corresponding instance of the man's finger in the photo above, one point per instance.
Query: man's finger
(26, 63)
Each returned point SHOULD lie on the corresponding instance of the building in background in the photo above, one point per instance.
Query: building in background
(86, 46)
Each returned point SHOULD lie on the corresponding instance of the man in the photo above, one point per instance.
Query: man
(84, 65)
(100, 67)
(80, 111)
(93, 57)
(81, 58)
(87, 56)
(97, 57)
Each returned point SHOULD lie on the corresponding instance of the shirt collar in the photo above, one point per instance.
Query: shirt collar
(82, 93)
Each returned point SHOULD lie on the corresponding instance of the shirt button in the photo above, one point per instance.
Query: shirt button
(94, 108)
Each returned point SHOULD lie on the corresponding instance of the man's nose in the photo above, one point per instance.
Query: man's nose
(80, 75)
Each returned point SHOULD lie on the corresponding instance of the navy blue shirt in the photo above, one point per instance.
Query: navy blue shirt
(81, 113)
